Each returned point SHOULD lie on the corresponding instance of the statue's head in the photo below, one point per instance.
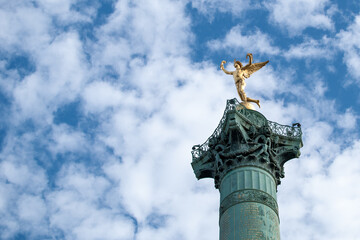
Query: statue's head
(237, 64)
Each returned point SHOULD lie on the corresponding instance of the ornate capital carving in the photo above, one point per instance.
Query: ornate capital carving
(246, 138)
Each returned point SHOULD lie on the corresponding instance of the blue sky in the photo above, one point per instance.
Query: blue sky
(101, 102)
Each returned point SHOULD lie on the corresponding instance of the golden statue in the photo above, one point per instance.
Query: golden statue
(239, 77)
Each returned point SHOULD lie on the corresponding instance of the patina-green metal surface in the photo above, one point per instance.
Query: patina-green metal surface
(246, 155)
(248, 207)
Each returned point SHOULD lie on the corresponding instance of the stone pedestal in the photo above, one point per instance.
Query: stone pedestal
(245, 156)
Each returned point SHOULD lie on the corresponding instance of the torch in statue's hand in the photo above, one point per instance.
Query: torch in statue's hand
(222, 64)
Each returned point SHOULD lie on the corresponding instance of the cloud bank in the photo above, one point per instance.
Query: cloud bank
(102, 102)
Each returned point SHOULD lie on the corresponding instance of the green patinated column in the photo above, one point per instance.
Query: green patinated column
(245, 156)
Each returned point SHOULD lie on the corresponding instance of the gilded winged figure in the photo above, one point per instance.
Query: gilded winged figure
(241, 73)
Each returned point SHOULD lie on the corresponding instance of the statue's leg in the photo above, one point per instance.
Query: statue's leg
(241, 92)
(254, 101)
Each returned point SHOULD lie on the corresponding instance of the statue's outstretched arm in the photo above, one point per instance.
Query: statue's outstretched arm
(222, 68)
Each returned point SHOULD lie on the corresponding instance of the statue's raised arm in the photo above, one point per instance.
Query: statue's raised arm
(252, 67)
(222, 68)
(241, 72)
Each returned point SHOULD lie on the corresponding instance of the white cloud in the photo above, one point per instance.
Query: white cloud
(63, 11)
(238, 40)
(100, 226)
(144, 28)
(255, 42)
(100, 95)
(348, 120)
(295, 16)
(236, 8)
(151, 104)
(79, 209)
(22, 182)
(32, 209)
(23, 177)
(312, 49)
(160, 156)
(64, 139)
(348, 41)
(321, 206)
(87, 186)
(59, 78)
(23, 27)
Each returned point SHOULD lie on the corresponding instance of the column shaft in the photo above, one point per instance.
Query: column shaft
(248, 207)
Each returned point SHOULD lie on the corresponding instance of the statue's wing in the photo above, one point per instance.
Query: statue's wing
(250, 69)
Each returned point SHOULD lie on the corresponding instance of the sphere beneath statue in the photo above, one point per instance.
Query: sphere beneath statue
(248, 105)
